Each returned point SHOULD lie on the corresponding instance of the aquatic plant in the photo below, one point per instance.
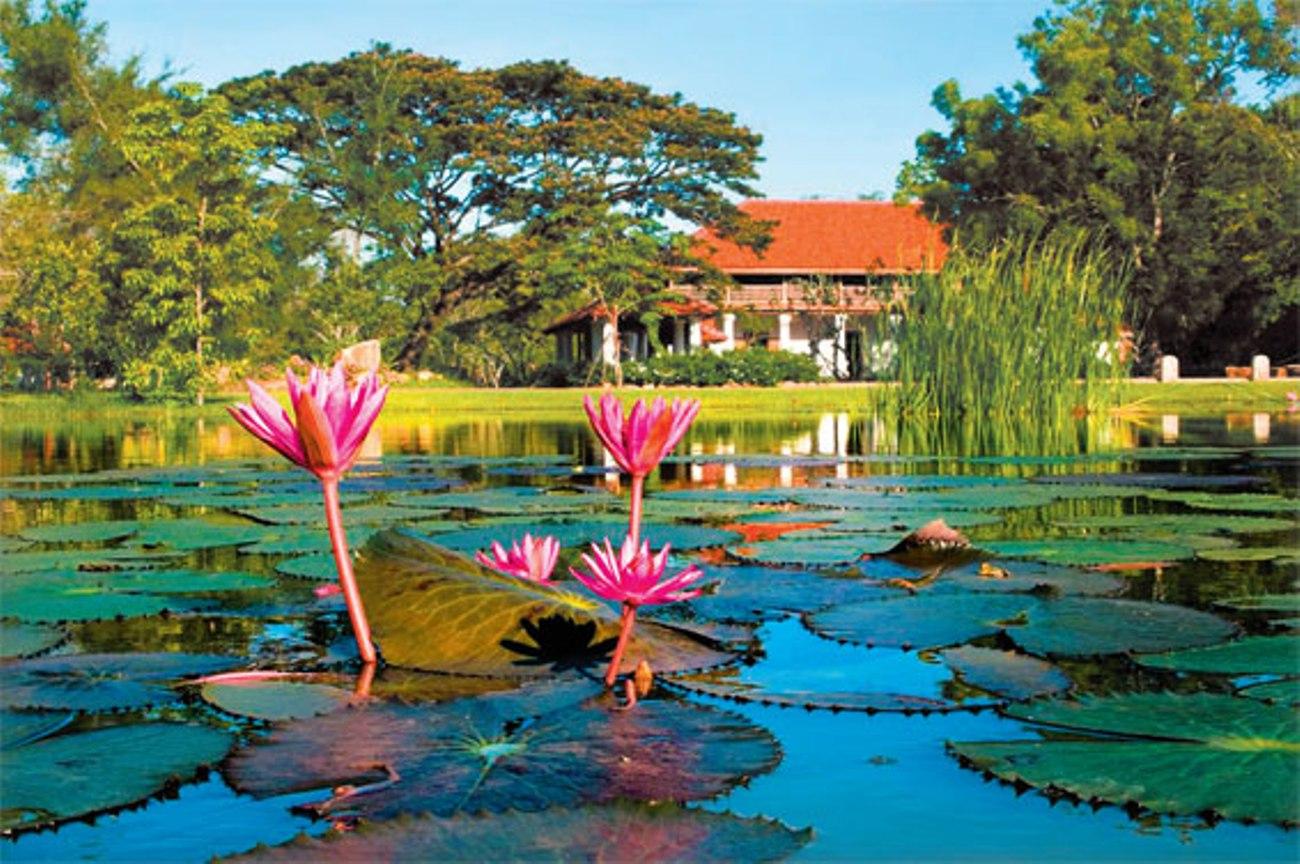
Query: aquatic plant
(1028, 327)
(634, 577)
(533, 558)
(641, 440)
(333, 420)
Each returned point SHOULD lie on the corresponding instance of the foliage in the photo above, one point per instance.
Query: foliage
(1007, 331)
(705, 369)
(1134, 130)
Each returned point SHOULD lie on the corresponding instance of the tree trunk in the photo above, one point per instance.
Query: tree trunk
(198, 302)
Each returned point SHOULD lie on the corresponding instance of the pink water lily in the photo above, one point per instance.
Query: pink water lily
(634, 577)
(640, 441)
(332, 422)
(532, 559)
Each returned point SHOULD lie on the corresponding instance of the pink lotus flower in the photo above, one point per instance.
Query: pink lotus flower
(641, 441)
(633, 577)
(333, 420)
(533, 559)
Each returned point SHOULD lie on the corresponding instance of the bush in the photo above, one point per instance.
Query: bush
(706, 369)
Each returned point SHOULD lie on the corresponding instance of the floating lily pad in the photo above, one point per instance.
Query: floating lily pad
(1006, 673)
(73, 595)
(23, 640)
(435, 610)
(277, 699)
(1243, 502)
(1024, 576)
(99, 682)
(1155, 480)
(728, 683)
(475, 755)
(1281, 554)
(193, 534)
(749, 595)
(82, 559)
(753, 497)
(1262, 603)
(1181, 523)
(826, 551)
(413, 687)
(1192, 754)
(74, 775)
(514, 499)
(941, 502)
(298, 539)
(18, 728)
(82, 532)
(618, 832)
(320, 566)
(314, 514)
(582, 532)
(1254, 655)
(1072, 626)
(12, 544)
(1283, 692)
(918, 481)
(1081, 552)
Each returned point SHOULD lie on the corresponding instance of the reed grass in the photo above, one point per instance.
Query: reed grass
(1025, 328)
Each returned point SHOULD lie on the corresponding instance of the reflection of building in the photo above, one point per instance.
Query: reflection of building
(823, 287)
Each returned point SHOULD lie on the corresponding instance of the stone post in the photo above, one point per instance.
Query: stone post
(783, 330)
(1260, 368)
(1168, 370)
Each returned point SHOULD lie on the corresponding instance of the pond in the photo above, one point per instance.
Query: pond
(1110, 676)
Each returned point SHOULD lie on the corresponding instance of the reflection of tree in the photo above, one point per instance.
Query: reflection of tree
(560, 642)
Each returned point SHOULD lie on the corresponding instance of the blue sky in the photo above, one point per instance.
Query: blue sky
(839, 89)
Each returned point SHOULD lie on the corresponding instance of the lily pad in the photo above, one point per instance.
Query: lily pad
(18, 728)
(82, 559)
(1242, 502)
(12, 544)
(514, 499)
(1026, 576)
(486, 754)
(1262, 603)
(940, 502)
(23, 640)
(74, 775)
(298, 540)
(1283, 692)
(1167, 480)
(729, 683)
(828, 551)
(919, 481)
(618, 832)
(277, 699)
(1254, 655)
(1006, 673)
(1080, 552)
(1071, 626)
(1281, 554)
(74, 595)
(314, 514)
(435, 610)
(83, 532)
(1182, 523)
(580, 532)
(193, 534)
(99, 682)
(1190, 754)
(749, 595)
(320, 566)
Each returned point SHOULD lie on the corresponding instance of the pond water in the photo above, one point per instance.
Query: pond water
(1056, 696)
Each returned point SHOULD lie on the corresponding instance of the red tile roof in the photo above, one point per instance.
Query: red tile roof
(833, 237)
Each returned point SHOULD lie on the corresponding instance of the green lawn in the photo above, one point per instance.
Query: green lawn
(1196, 397)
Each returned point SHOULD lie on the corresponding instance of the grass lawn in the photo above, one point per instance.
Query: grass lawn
(1193, 397)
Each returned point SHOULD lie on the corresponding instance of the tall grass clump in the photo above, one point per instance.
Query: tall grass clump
(1027, 327)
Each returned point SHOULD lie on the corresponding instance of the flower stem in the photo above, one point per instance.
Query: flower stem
(634, 521)
(625, 631)
(351, 595)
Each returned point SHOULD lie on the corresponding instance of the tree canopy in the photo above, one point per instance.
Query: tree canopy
(1139, 127)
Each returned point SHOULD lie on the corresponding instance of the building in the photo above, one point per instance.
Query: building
(826, 285)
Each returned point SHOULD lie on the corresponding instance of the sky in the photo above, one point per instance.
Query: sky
(839, 89)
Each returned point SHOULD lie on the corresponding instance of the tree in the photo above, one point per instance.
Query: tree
(1124, 133)
(443, 170)
(196, 247)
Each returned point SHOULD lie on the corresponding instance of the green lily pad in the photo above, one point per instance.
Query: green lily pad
(1006, 673)
(1262, 603)
(1166, 480)
(1181, 523)
(1281, 554)
(919, 481)
(750, 595)
(1191, 754)
(977, 498)
(314, 514)
(12, 544)
(83, 559)
(514, 499)
(1283, 692)
(481, 535)
(320, 566)
(435, 610)
(99, 682)
(75, 775)
(1254, 655)
(193, 534)
(18, 728)
(299, 539)
(1071, 626)
(282, 699)
(23, 640)
(75, 595)
(475, 755)
(729, 683)
(1082, 552)
(617, 832)
(83, 532)
(824, 551)
(1025, 576)
(1242, 502)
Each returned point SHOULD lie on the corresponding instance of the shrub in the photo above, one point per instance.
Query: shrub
(706, 369)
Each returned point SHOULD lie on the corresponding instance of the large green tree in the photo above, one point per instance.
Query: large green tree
(446, 172)
(1138, 127)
